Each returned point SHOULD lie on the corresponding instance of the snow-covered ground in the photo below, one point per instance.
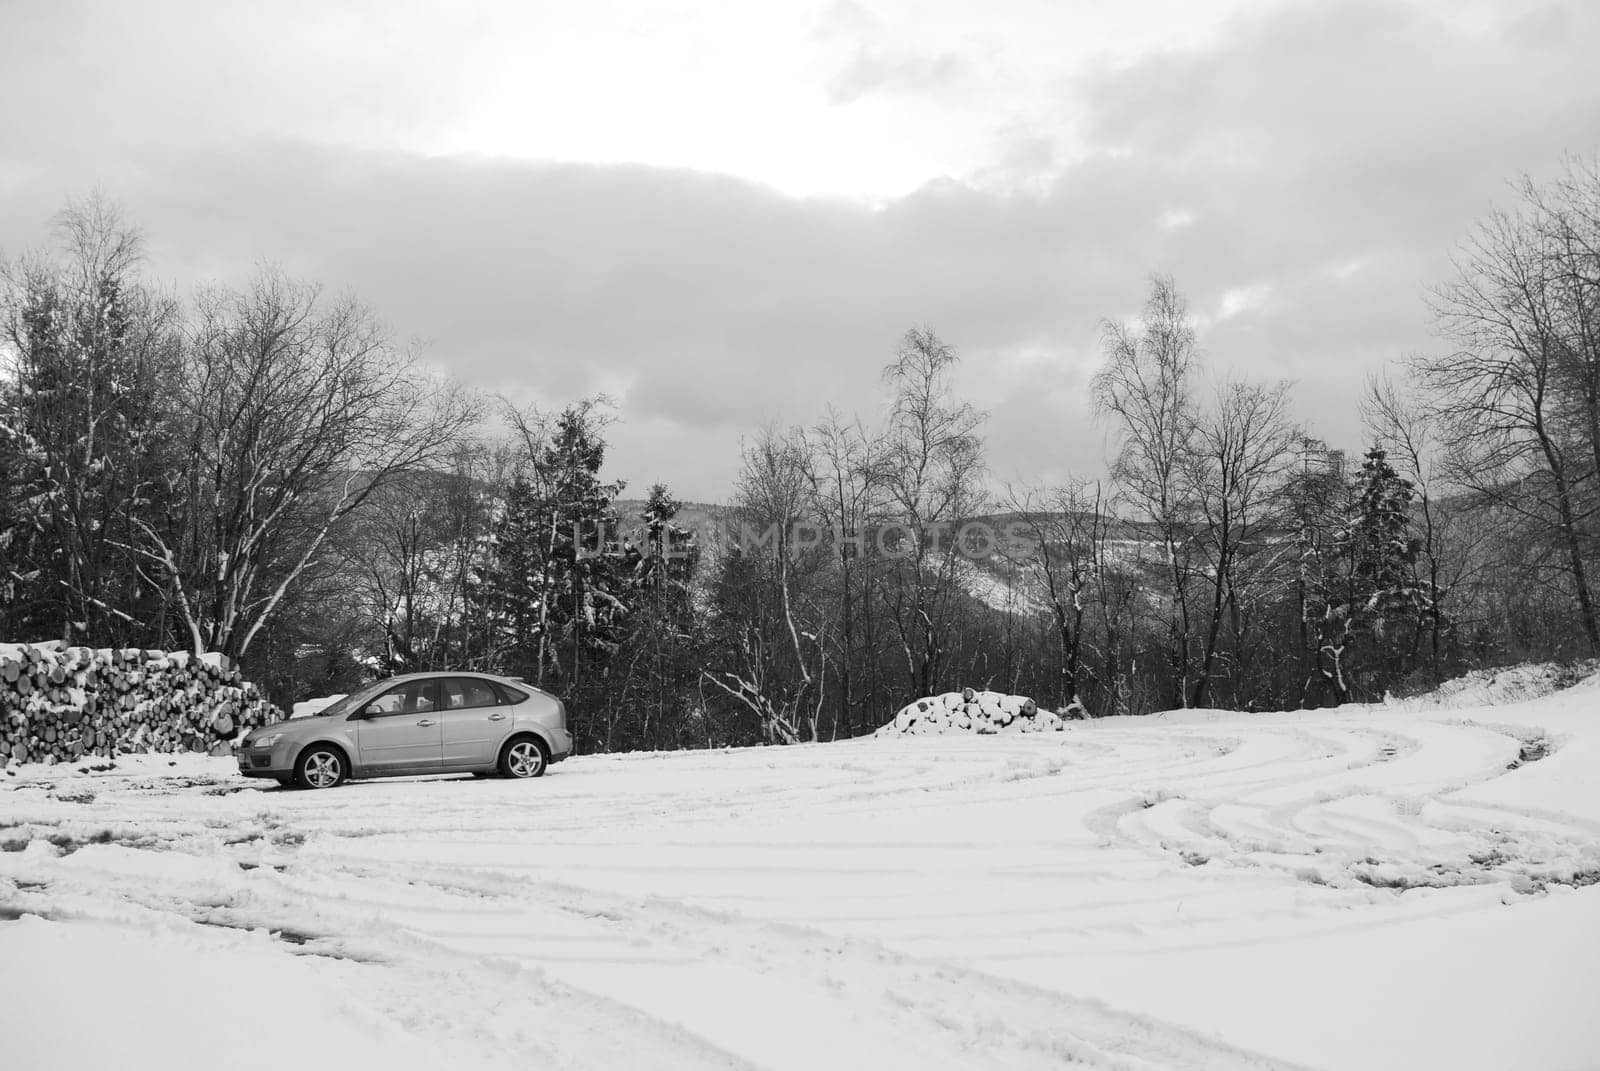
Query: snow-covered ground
(1377, 887)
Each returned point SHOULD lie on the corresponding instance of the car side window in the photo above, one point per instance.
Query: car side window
(509, 696)
(415, 697)
(463, 692)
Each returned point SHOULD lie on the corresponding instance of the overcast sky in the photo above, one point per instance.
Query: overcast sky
(724, 214)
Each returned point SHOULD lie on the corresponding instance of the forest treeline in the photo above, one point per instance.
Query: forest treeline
(264, 472)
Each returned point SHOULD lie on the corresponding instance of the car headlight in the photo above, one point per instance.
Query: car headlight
(266, 741)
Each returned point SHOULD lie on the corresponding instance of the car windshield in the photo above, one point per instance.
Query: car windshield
(352, 701)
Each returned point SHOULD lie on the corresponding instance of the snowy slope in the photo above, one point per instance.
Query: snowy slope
(1366, 888)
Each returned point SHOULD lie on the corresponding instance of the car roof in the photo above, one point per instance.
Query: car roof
(439, 674)
(430, 674)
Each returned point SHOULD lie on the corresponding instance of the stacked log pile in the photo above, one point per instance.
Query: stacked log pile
(972, 711)
(60, 703)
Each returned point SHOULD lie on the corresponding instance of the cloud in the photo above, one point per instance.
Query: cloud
(705, 305)
(1242, 300)
(1308, 171)
(876, 60)
(872, 70)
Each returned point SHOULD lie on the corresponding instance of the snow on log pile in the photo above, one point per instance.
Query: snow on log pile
(59, 703)
(970, 711)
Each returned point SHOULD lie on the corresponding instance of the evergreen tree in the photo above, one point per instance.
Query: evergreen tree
(556, 579)
(1361, 590)
(83, 436)
(667, 552)
(508, 590)
(666, 634)
(589, 570)
(1384, 553)
(18, 533)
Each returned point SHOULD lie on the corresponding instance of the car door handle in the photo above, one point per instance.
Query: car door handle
(425, 723)
(497, 717)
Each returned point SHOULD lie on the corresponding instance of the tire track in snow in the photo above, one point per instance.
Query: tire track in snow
(950, 1016)
(1337, 826)
(500, 1012)
(878, 888)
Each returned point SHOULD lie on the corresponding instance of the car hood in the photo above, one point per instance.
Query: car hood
(293, 725)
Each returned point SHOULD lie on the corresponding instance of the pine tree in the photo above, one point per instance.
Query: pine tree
(18, 536)
(556, 579)
(1384, 553)
(508, 590)
(84, 436)
(666, 635)
(586, 611)
(668, 553)
(1361, 591)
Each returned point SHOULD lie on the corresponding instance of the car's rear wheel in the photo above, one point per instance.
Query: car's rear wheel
(321, 767)
(523, 758)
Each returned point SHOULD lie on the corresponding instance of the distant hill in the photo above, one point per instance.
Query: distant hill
(698, 517)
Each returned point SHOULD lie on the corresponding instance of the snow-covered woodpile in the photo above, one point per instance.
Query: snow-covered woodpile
(971, 711)
(59, 703)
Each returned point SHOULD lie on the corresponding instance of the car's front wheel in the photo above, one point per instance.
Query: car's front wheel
(524, 757)
(321, 767)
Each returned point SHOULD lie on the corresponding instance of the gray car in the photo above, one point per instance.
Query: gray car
(423, 723)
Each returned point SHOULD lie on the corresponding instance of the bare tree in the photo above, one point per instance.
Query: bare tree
(778, 662)
(409, 555)
(1517, 399)
(1065, 529)
(293, 410)
(1564, 225)
(931, 474)
(844, 470)
(1240, 451)
(1146, 387)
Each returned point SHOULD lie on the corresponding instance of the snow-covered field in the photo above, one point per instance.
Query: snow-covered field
(1369, 888)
